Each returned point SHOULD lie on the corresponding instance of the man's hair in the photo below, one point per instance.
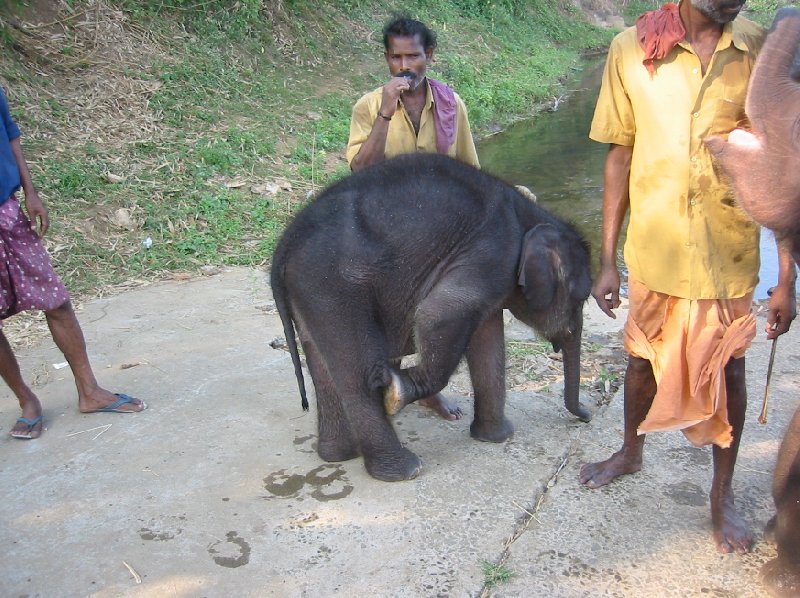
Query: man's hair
(405, 26)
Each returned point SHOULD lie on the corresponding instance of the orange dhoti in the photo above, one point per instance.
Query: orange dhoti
(688, 343)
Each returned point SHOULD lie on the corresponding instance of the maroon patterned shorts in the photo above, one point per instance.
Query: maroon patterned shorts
(27, 278)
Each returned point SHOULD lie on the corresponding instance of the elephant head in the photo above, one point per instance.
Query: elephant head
(553, 277)
(764, 164)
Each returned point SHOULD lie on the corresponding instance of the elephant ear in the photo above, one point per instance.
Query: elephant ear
(539, 264)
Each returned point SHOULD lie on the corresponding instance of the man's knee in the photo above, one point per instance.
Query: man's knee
(735, 372)
(65, 309)
(639, 366)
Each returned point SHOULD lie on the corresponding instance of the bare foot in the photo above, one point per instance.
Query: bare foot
(29, 425)
(730, 532)
(594, 475)
(104, 401)
(446, 409)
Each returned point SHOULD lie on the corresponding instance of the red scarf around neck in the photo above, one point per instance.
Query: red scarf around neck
(658, 32)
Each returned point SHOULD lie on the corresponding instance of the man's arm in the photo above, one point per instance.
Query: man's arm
(783, 302)
(37, 212)
(373, 150)
(616, 201)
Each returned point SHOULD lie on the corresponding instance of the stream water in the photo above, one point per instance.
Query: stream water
(553, 156)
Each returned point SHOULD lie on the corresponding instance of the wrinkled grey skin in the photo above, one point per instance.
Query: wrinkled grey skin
(764, 163)
(764, 166)
(421, 254)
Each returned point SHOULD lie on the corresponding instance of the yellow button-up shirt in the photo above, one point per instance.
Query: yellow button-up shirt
(686, 237)
(401, 138)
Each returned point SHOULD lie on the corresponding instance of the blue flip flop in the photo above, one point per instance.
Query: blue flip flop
(31, 424)
(115, 406)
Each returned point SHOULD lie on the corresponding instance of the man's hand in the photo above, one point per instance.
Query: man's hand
(782, 310)
(391, 93)
(605, 290)
(37, 213)
(783, 298)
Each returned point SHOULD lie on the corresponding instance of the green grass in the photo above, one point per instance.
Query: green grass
(495, 574)
(248, 93)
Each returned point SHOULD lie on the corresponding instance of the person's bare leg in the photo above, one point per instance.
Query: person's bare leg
(68, 337)
(640, 388)
(730, 532)
(28, 401)
(444, 407)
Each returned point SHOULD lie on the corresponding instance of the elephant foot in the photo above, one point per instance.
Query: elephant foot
(337, 450)
(393, 467)
(393, 401)
(780, 578)
(492, 432)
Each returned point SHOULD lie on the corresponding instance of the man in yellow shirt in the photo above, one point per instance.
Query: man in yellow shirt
(692, 255)
(411, 113)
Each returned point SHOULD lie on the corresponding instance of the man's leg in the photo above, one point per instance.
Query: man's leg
(730, 532)
(68, 337)
(640, 388)
(28, 401)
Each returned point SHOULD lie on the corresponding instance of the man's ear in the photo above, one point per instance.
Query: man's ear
(429, 55)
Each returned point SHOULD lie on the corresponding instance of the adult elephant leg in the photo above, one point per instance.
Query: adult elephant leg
(782, 575)
(336, 441)
(487, 368)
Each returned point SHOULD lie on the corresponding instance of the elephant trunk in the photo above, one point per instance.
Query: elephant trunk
(571, 353)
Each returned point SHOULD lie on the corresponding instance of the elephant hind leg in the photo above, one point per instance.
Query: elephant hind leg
(357, 373)
(336, 441)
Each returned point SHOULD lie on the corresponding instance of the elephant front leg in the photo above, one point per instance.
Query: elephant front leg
(441, 332)
(782, 575)
(487, 367)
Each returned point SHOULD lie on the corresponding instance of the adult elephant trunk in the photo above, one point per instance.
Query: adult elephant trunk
(570, 345)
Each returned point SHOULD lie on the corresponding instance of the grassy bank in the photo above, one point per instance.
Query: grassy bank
(203, 127)
(169, 135)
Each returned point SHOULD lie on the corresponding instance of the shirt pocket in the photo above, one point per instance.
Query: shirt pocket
(729, 114)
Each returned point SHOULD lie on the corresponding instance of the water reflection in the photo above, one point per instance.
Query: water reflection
(553, 155)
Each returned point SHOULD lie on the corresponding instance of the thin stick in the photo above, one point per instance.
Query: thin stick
(136, 577)
(106, 426)
(762, 418)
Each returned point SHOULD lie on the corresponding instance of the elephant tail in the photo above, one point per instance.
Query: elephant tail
(279, 294)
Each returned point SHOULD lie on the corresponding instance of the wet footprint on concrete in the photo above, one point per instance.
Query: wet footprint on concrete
(324, 483)
(220, 546)
(306, 444)
(160, 531)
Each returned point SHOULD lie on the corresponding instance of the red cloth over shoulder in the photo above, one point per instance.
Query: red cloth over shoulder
(445, 114)
(659, 31)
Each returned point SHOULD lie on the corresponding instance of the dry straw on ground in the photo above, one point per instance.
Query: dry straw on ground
(97, 64)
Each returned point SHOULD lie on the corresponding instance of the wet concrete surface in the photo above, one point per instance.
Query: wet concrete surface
(217, 489)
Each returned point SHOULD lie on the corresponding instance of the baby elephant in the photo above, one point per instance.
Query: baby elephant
(420, 254)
